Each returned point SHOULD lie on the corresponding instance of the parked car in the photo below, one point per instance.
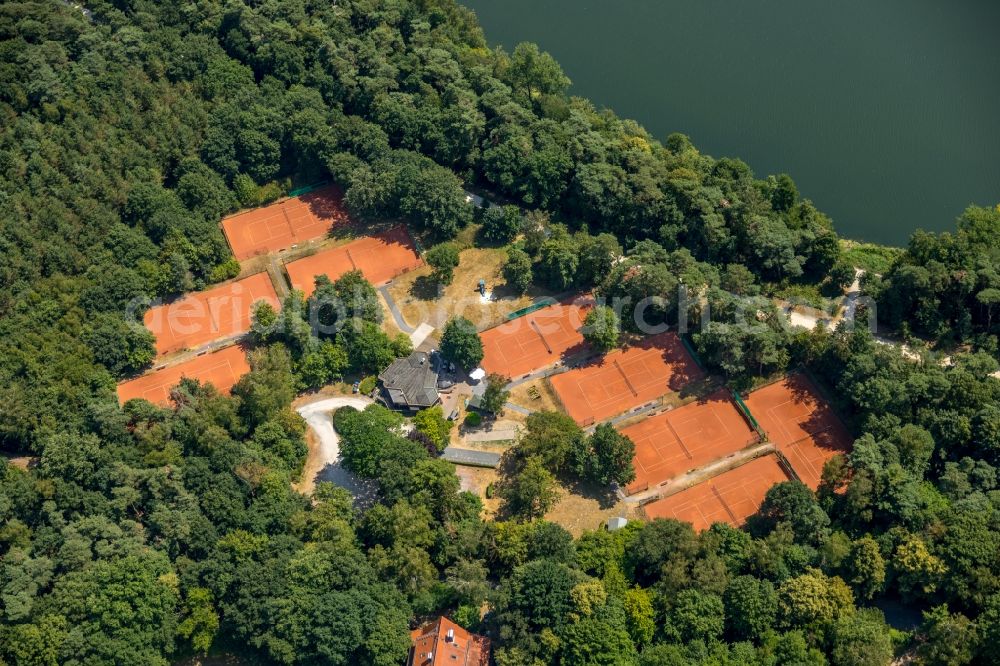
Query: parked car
(355, 387)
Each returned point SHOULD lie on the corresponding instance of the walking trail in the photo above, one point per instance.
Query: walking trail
(322, 463)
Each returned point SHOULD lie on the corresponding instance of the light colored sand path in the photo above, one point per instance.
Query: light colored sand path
(418, 336)
(501, 431)
(322, 461)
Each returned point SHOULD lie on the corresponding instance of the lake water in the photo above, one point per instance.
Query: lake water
(885, 112)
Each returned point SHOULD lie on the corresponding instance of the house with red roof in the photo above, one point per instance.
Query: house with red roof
(444, 642)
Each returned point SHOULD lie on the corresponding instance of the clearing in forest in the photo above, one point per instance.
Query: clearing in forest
(536, 340)
(201, 317)
(625, 378)
(285, 223)
(728, 498)
(380, 258)
(686, 438)
(221, 368)
(801, 424)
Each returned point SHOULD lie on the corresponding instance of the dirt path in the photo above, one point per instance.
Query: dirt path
(324, 444)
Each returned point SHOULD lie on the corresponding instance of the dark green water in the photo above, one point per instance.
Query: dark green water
(885, 112)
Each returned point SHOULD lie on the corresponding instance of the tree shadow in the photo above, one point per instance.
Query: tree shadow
(425, 288)
(605, 496)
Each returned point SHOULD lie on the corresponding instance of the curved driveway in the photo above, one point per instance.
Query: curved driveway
(322, 463)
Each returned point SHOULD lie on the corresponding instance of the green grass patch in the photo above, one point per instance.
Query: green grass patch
(870, 257)
(800, 294)
(367, 385)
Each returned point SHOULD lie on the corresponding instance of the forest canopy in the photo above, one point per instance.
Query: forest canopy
(128, 128)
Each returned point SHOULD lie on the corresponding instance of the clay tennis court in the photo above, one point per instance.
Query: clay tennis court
(731, 497)
(625, 378)
(222, 369)
(686, 438)
(380, 257)
(204, 316)
(801, 424)
(536, 340)
(285, 223)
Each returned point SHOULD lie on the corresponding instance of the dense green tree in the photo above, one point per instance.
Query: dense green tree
(592, 642)
(369, 349)
(948, 638)
(121, 347)
(537, 596)
(751, 607)
(552, 437)
(321, 365)
(365, 434)
(138, 591)
(495, 394)
(813, 598)
(443, 258)
(695, 615)
(347, 300)
(267, 389)
(517, 270)
(460, 342)
(201, 621)
(657, 542)
(598, 255)
(531, 491)
(866, 567)
(501, 224)
(861, 639)
(793, 503)
(557, 263)
(531, 72)
(433, 198)
(602, 329)
(432, 423)
(605, 456)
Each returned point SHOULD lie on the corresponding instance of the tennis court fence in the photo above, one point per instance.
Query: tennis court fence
(537, 305)
(306, 189)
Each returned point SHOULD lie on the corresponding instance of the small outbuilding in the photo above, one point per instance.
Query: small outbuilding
(615, 524)
(410, 384)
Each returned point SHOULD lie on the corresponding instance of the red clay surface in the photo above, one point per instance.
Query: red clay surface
(685, 438)
(283, 224)
(380, 257)
(624, 379)
(731, 497)
(222, 369)
(204, 316)
(535, 341)
(801, 424)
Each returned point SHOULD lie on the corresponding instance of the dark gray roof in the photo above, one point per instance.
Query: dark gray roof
(471, 457)
(411, 382)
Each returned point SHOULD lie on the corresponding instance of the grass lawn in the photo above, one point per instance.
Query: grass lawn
(587, 508)
(537, 395)
(475, 480)
(420, 300)
(869, 256)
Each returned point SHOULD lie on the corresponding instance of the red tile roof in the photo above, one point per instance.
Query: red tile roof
(444, 642)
